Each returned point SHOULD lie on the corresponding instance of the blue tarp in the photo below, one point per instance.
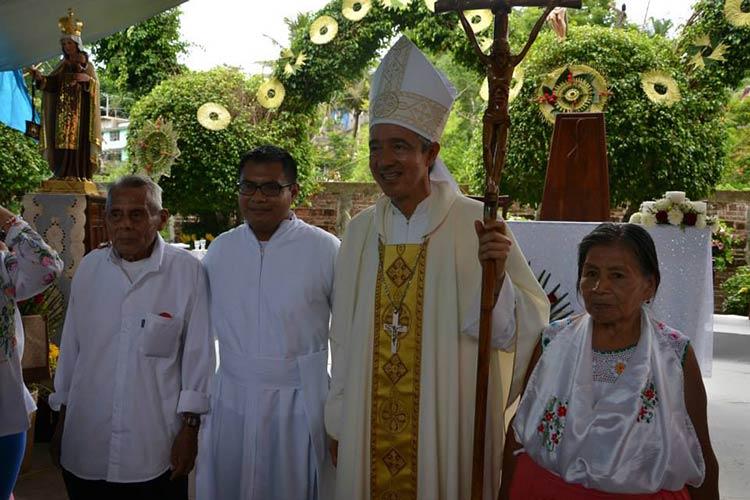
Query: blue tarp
(15, 103)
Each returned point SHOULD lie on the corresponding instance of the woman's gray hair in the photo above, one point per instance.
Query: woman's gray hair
(153, 198)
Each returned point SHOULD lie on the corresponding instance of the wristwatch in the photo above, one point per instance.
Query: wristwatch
(191, 420)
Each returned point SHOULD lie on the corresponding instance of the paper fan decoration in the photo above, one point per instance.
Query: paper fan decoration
(572, 89)
(703, 52)
(294, 63)
(430, 4)
(479, 20)
(397, 4)
(660, 88)
(271, 94)
(515, 88)
(156, 148)
(734, 13)
(355, 10)
(323, 30)
(213, 116)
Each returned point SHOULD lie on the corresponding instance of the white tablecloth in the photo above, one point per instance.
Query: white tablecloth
(685, 299)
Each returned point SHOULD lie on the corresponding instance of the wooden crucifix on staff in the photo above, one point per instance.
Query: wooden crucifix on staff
(500, 63)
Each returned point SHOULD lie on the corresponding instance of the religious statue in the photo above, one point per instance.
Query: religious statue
(71, 124)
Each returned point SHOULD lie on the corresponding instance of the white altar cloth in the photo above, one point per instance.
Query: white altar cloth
(685, 300)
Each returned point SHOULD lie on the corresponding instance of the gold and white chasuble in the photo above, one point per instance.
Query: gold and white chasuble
(403, 338)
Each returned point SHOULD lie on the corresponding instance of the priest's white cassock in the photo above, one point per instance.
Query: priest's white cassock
(270, 310)
(403, 415)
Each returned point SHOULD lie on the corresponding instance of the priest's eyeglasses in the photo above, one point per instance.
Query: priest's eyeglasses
(270, 189)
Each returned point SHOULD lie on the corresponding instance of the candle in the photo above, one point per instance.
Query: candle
(676, 196)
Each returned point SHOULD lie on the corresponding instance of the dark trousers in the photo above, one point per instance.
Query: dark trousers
(160, 488)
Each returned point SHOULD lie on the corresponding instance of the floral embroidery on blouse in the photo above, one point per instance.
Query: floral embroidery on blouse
(552, 423)
(649, 401)
(553, 329)
(39, 266)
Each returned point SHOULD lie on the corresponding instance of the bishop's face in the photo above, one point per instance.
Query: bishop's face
(400, 164)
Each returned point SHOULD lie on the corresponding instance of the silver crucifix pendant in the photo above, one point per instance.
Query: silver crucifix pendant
(395, 329)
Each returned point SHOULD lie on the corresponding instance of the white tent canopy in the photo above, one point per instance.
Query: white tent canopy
(29, 31)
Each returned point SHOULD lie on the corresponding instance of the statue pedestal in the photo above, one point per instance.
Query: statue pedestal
(71, 223)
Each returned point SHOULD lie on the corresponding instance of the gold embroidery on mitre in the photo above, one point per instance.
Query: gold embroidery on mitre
(394, 419)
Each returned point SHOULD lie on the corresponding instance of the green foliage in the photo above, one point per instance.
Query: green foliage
(651, 148)
(737, 290)
(737, 172)
(22, 168)
(203, 180)
(715, 79)
(135, 60)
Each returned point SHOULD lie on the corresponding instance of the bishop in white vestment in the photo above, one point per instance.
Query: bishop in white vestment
(271, 282)
(406, 314)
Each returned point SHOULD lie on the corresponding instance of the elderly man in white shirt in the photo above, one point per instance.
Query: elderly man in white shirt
(271, 282)
(135, 360)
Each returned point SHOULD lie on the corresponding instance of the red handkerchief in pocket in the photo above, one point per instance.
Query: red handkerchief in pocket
(165, 315)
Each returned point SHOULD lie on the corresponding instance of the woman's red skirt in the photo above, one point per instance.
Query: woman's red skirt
(532, 482)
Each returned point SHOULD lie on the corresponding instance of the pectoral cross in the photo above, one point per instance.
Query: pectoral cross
(395, 330)
(500, 63)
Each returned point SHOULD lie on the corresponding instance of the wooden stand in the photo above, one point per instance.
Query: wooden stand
(577, 184)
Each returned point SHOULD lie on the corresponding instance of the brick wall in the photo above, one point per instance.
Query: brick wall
(731, 207)
(336, 203)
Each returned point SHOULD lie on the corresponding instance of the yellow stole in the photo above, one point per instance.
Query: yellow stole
(394, 417)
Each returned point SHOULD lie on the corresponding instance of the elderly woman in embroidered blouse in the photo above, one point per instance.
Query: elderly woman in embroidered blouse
(27, 267)
(614, 405)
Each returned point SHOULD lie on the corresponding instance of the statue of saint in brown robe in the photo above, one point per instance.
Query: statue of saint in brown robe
(71, 123)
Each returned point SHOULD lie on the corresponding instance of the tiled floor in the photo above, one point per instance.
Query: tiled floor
(728, 413)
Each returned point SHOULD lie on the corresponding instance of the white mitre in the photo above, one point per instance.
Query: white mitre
(407, 90)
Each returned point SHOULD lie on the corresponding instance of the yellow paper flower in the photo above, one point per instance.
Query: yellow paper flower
(323, 30)
(697, 61)
(271, 94)
(355, 10)
(718, 53)
(702, 41)
(660, 88)
(734, 13)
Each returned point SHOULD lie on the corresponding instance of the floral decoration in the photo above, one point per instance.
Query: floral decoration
(649, 401)
(660, 88)
(572, 89)
(675, 209)
(734, 13)
(552, 424)
(156, 148)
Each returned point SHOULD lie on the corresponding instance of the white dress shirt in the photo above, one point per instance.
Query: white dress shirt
(134, 355)
(403, 231)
